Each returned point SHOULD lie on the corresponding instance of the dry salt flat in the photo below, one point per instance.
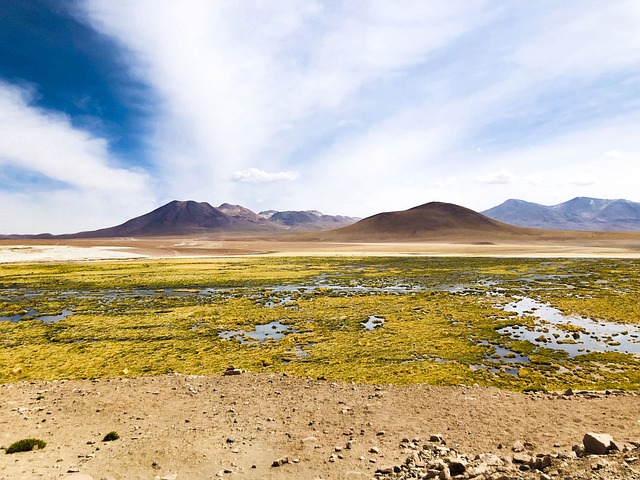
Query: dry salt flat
(48, 253)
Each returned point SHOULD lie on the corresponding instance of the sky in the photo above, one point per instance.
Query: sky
(111, 108)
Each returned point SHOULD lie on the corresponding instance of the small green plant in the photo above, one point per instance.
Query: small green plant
(111, 436)
(26, 445)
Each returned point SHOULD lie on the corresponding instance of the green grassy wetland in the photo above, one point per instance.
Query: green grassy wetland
(538, 324)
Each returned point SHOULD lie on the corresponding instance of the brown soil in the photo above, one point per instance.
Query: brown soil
(198, 427)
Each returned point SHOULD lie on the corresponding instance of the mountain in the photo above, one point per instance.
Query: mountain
(426, 222)
(580, 213)
(309, 220)
(241, 213)
(200, 218)
(174, 218)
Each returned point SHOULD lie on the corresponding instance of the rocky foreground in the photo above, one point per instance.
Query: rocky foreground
(272, 426)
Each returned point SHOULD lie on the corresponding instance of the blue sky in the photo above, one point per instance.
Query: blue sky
(111, 108)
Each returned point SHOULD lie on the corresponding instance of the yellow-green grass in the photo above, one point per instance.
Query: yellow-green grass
(431, 332)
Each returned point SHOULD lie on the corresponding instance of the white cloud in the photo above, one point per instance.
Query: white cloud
(255, 175)
(612, 154)
(86, 188)
(502, 177)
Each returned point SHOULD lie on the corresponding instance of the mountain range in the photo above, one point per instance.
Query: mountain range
(199, 218)
(581, 213)
(431, 221)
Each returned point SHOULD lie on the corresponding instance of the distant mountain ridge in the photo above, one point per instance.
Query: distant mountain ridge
(200, 218)
(580, 213)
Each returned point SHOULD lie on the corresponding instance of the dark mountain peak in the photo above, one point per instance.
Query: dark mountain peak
(430, 220)
(175, 218)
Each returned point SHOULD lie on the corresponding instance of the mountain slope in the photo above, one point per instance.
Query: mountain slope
(174, 218)
(580, 213)
(429, 221)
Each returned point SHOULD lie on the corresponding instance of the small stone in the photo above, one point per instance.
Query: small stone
(543, 462)
(231, 370)
(374, 450)
(522, 458)
(230, 439)
(384, 470)
(457, 466)
(380, 433)
(280, 461)
(435, 438)
(518, 446)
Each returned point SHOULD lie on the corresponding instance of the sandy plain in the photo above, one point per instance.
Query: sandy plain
(562, 245)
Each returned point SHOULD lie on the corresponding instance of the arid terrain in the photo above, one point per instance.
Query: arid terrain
(623, 245)
(189, 427)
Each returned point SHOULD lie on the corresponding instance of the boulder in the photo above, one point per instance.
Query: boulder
(598, 443)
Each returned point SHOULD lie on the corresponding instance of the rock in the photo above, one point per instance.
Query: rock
(230, 440)
(445, 475)
(231, 370)
(171, 476)
(280, 461)
(490, 459)
(416, 460)
(435, 438)
(374, 450)
(518, 446)
(540, 463)
(385, 470)
(78, 476)
(598, 443)
(522, 459)
(457, 466)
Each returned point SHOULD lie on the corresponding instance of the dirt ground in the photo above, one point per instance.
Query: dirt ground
(189, 427)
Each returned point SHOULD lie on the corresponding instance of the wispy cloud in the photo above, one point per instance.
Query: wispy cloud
(502, 177)
(255, 175)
